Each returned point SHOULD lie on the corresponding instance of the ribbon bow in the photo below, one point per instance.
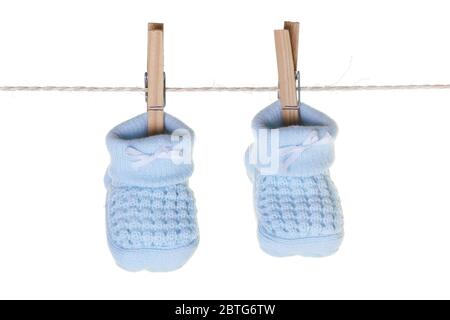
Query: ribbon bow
(291, 154)
(141, 159)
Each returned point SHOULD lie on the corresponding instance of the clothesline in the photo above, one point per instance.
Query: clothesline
(229, 89)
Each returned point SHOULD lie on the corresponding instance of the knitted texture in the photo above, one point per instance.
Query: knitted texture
(298, 207)
(141, 218)
(297, 204)
(150, 210)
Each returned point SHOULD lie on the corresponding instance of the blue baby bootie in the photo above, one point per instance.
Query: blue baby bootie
(150, 210)
(297, 204)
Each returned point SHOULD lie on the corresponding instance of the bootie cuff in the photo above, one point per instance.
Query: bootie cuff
(304, 150)
(155, 161)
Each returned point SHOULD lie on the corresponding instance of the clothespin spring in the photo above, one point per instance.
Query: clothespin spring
(298, 89)
(146, 93)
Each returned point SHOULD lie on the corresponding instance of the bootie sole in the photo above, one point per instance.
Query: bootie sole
(154, 260)
(307, 247)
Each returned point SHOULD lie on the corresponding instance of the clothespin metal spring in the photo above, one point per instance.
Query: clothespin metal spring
(146, 94)
(297, 80)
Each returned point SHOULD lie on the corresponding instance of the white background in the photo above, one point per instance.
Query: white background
(392, 166)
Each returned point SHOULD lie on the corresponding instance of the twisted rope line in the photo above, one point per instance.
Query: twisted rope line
(227, 89)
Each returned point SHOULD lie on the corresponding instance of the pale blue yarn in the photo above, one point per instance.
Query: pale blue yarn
(150, 210)
(299, 211)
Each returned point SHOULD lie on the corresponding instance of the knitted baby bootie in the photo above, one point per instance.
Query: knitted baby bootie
(298, 208)
(150, 210)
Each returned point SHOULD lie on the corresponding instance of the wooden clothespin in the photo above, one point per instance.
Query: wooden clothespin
(286, 43)
(155, 79)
